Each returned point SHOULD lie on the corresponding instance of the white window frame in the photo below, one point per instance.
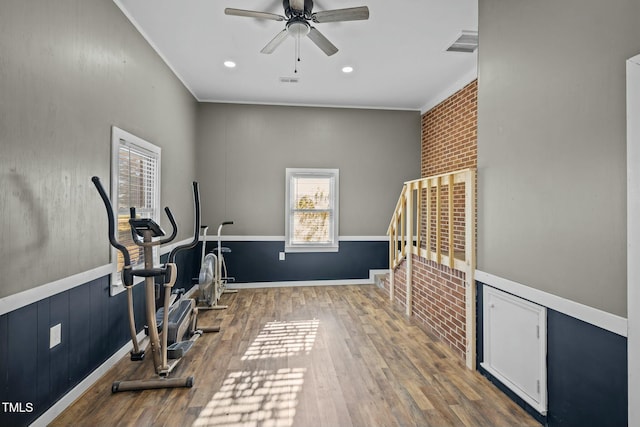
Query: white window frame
(291, 175)
(121, 138)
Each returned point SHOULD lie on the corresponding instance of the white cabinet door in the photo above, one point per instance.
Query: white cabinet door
(514, 341)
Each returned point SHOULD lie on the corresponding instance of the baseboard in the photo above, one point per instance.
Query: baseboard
(243, 238)
(84, 385)
(299, 283)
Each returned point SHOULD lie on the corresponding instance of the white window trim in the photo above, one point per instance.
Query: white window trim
(333, 246)
(118, 135)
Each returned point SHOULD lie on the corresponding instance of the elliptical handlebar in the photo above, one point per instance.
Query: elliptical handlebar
(196, 226)
(136, 239)
(112, 228)
(173, 225)
(127, 273)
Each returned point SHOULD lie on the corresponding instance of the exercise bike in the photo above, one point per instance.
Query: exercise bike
(176, 321)
(213, 277)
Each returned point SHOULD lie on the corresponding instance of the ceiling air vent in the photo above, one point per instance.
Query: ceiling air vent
(289, 79)
(467, 42)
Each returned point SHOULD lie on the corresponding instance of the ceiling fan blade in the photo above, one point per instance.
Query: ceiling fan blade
(253, 14)
(277, 41)
(322, 42)
(296, 4)
(339, 15)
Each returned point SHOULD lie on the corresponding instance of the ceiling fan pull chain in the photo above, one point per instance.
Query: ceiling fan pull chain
(297, 53)
(295, 57)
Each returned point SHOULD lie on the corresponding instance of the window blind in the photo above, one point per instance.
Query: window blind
(137, 187)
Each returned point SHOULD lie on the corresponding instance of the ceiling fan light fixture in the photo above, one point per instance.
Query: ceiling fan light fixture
(229, 64)
(298, 28)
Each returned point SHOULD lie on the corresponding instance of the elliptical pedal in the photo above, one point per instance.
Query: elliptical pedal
(179, 349)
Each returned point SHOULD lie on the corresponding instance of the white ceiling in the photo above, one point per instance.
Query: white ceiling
(398, 55)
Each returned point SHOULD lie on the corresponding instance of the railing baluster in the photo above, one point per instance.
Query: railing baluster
(452, 258)
(393, 243)
(428, 219)
(438, 222)
(403, 210)
(409, 255)
(418, 214)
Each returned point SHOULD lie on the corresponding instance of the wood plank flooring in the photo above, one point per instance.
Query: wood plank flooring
(306, 356)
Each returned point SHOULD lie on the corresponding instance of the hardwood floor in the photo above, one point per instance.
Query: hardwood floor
(306, 356)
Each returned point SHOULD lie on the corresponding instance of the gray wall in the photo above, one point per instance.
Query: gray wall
(243, 151)
(551, 145)
(68, 71)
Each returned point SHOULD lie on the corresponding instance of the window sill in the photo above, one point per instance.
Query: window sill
(310, 248)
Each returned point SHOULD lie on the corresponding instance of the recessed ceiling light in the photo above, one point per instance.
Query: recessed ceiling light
(347, 69)
(229, 64)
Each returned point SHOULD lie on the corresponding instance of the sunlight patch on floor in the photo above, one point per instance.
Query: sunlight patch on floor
(254, 398)
(282, 339)
(263, 398)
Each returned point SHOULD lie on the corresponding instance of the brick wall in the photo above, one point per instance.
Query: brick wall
(449, 143)
(439, 303)
(449, 133)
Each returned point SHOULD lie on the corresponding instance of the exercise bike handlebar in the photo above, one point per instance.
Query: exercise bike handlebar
(221, 225)
(112, 228)
(196, 225)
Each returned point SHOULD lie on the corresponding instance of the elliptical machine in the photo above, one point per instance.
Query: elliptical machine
(177, 319)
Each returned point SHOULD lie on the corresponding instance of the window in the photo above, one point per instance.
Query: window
(135, 182)
(311, 223)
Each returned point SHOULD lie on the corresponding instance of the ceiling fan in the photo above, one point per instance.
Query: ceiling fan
(297, 14)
